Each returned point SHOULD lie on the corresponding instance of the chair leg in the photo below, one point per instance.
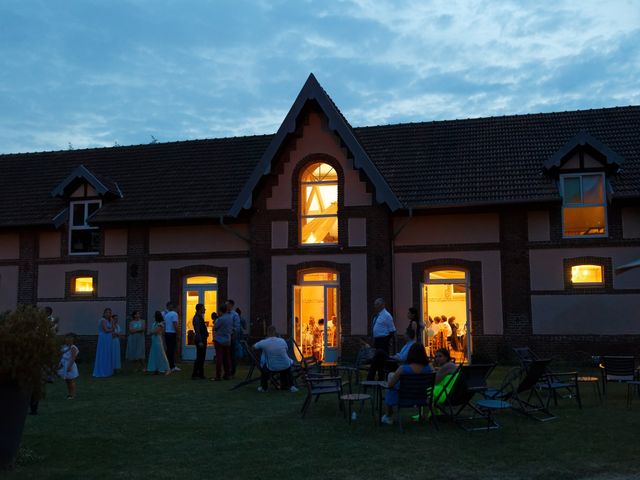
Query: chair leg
(305, 405)
(578, 399)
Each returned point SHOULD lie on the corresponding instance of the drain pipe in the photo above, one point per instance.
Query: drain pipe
(393, 263)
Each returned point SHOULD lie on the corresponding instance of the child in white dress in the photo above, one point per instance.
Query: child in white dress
(68, 368)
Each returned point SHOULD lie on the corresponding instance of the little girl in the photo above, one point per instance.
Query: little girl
(68, 368)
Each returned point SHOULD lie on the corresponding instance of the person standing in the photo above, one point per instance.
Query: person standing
(383, 330)
(171, 326)
(115, 348)
(103, 366)
(135, 340)
(157, 362)
(55, 321)
(68, 369)
(200, 340)
(235, 334)
(223, 329)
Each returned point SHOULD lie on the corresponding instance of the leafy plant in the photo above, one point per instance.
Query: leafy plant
(29, 348)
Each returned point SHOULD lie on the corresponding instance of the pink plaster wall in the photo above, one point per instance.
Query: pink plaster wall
(112, 279)
(279, 313)
(115, 241)
(238, 287)
(491, 283)
(316, 139)
(8, 288)
(50, 244)
(82, 318)
(279, 234)
(201, 238)
(585, 314)
(357, 232)
(539, 229)
(448, 229)
(547, 266)
(631, 222)
(9, 246)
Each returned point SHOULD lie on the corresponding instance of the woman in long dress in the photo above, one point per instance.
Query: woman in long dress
(158, 362)
(104, 357)
(135, 340)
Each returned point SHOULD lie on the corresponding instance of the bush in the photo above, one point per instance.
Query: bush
(29, 348)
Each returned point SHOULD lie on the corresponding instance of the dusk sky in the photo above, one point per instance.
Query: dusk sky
(98, 73)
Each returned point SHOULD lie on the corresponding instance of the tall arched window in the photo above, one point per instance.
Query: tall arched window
(319, 204)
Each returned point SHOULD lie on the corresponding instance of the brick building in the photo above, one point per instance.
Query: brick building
(511, 225)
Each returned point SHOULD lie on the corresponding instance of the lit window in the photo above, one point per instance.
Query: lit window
(83, 285)
(447, 274)
(319, 277)
(201, 280)
(319, 204)
(586, 275)
(584, 208)
(83, 238)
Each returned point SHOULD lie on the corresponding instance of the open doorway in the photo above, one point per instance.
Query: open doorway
(198, 289)
(316, 314)
(446, 312)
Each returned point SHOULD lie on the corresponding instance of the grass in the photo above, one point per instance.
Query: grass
(134, 426)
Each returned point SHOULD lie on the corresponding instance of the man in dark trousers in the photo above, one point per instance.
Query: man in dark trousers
(383, 331)
(200, 340)
(171, 326)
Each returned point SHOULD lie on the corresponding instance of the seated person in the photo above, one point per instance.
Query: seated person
(410, 339)
(417, 362)
(445, 369)
(274, 359)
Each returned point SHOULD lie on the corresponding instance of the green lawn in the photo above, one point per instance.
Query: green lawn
(135, 426)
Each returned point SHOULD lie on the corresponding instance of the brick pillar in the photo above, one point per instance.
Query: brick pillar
(28, 269)
(137, 270)
(379, 231)
(516, 285)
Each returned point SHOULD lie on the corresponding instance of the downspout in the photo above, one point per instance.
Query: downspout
(393, 267)
(233, 232)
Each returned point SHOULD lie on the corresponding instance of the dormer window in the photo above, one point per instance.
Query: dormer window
(84, 239)
(584, 207)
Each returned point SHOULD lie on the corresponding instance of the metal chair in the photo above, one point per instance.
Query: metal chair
(618, 369)
(416, 391)
(321, 385)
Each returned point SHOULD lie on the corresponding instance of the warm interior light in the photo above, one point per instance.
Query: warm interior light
(83, 284)
(201, 280)
(319, 204)
(586, 274)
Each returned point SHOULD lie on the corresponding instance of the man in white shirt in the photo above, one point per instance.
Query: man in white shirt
(383, 330)
(171, 325)
(274, 359)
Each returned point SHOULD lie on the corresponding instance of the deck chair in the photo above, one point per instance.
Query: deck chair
(416, 391)
(321, 385)
(520, 387)
(557, 384)
(455, 397)
(254, 364)
(620, 369)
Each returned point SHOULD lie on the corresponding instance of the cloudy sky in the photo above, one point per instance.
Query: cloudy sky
(86, 73)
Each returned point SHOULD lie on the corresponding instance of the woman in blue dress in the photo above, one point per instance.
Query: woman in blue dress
(135, 340)
(417, 362)
(158, 362)
(104, 356)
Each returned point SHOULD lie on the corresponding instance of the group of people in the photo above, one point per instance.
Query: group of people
(443, 331)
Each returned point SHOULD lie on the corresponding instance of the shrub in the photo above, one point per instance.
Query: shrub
(29, 348)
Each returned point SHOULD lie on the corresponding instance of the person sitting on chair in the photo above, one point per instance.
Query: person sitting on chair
(410, 339)
(274, 359)
(417, 362)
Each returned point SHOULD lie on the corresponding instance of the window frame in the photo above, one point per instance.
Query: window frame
(84, 227)
(306, 169)
(70, 286)
(581, 176)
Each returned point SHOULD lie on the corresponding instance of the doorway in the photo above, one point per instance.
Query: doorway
(198, 289)
(316, 315)
(446, 312)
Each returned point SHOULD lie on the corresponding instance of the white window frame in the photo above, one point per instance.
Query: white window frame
(583, 205)
(85, 226)
(304, 216)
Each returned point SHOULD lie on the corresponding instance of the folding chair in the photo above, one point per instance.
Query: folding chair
(520, 387)
(457, 393)
(621, 369)
(254, 363)
(416, 391)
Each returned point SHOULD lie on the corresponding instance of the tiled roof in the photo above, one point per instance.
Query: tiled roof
(497, 159)
(444, 163)
(164, 181)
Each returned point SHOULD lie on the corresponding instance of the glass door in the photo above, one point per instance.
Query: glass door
(198, 289)
(332, 324)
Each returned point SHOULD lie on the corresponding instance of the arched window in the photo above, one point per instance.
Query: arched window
(319, 204)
